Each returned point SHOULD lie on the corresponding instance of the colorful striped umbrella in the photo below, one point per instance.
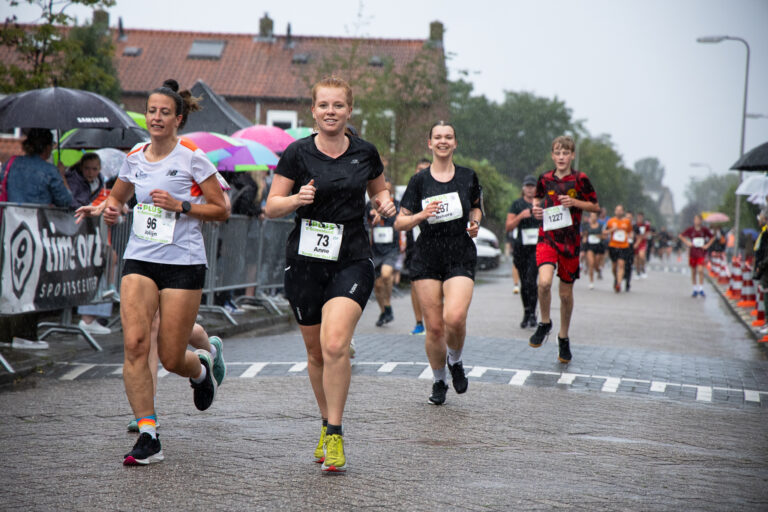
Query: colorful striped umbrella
(251, 156)
(300, 132)
(276, 139)
(216, 146)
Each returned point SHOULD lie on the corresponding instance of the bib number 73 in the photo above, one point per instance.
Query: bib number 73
(320, 240)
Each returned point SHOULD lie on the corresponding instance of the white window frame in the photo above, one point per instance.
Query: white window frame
(282, 116)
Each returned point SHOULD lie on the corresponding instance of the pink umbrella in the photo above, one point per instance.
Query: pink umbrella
(216, 146)
(273, 137)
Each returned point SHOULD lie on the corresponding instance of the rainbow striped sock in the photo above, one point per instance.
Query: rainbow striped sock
(148, 425)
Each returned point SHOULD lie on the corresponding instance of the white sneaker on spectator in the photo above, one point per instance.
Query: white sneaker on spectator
(232, 309)
(94, 327)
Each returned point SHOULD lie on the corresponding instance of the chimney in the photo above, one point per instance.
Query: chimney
(101, 17)
(288, 39)
(436, 31)
(266, 28)
(121, 35)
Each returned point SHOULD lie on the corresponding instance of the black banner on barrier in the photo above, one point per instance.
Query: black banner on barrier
(48, 261)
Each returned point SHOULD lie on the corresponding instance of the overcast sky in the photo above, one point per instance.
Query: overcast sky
(629, 68)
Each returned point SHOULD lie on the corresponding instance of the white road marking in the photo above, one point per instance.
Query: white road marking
(568, 378)
(77, 371)
(477, 371)
(519, 378)
(253, 370)
(611, 384)
(703, 393)
(426, 374)
(387, 367)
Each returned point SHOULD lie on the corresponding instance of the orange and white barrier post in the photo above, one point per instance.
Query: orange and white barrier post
(748, 294)
(760, 309)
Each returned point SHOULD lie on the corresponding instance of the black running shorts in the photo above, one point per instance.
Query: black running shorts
(180, 277)
(443, 258)
(309, 285)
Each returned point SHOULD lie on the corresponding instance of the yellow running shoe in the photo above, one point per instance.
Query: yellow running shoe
(334, 462)
(319, 453)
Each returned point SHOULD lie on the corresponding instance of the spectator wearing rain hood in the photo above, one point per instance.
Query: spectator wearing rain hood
(31, 178)
(85, 180)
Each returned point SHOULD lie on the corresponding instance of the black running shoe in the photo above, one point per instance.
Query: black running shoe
(526, 318)
(532, 320)
(439, 389)
(146, 451)
(541, 334)
(460, 381)
(382, 320)
(564, 345)
(205, 391)
(388, 317)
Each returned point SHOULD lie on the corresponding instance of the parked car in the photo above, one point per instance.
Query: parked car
(488, 252)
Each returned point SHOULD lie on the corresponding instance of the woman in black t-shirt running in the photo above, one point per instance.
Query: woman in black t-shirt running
(443, 200)
(329, 274)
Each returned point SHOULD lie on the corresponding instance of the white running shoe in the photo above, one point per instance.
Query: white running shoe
(94, 327)
(591, 286)
(516, 290)
(352, 348)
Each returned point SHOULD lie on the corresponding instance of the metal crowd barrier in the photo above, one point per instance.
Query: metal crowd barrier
(244, 253)
(14, 266)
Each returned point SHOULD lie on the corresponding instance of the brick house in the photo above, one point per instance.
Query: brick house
(264, 76)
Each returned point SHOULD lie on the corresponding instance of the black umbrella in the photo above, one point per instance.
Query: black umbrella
(95, 138)
(753, 160)
(60, 108)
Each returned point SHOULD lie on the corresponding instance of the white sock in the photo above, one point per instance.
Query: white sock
(213, 351)
(438, 374)
(201, 377)
(454, 356)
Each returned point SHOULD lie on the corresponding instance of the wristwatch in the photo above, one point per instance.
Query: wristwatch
(185, 207)
(476, 222)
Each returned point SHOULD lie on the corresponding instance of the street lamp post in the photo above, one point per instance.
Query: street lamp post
(718, 39)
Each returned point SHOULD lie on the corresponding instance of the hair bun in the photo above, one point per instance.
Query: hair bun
(171, 84)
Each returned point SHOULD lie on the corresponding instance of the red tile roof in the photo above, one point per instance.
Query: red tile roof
(247, 67)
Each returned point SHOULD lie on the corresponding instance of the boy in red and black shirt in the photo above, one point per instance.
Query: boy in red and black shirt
(698, 238)
(561, 196)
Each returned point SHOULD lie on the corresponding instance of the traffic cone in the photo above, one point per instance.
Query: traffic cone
(723, 278)
(748, 295)
(734, 289)
(760, 309)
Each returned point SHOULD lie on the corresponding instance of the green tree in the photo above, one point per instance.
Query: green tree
(48, 53)
(707, 193)
(651, 172)
(514, 135)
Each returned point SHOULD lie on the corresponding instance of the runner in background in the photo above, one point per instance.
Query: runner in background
(520, 220)
(329, 272)
(602, 218)
(643, 233)
(617, 230)
(445, 201)
(410, 238)
(698, 238)
(593, 240)
(385, 245)
(561, 196)
(630, 261)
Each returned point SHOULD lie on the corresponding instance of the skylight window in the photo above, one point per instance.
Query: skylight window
(206, 49)
(300, 58)
(131, 51)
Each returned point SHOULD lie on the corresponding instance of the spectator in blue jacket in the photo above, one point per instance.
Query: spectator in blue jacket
(32, 179)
